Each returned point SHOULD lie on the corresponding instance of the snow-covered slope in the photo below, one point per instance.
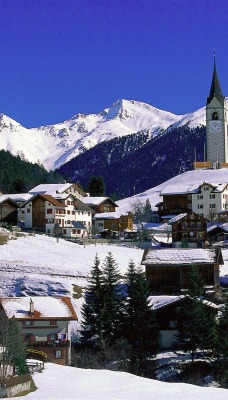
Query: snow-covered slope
(186, 181)
(53, 145)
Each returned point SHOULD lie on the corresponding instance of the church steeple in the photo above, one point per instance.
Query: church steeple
(216, 90)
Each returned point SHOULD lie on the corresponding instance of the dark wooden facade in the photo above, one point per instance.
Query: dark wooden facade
(174, 204)
(38, 212)
(8, 212)
(191, 230)
(170, 276)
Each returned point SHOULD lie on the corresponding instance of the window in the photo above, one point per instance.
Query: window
(68, 202)
(68, 221)
(212, 196)
(64, 231)
(53, 322)
(212, 205)
(89, 214)
(199, 224)
(28, 210)
(200, 205)
(189, 206)
(206, 188)
(73, 231)
(78, 231)
(72, 203)
(73, 212)
(28, 323)
(49, 210)
(58, 354)
(68, 211)
(100, 223)
(200, 196)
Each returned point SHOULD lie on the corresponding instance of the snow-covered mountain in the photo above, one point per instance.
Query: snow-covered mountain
(53, 145)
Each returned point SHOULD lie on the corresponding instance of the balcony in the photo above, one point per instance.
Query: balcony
(47, 343)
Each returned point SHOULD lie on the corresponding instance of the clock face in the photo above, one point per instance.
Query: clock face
(215, 126)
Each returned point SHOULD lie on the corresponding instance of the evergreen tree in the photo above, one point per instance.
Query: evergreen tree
(140, 326)
(92, 309)
(194, 324)
(96, 186)
(223, 330)
(113, 300)
(147, 210)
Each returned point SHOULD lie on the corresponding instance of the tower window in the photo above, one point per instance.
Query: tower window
(215, 115)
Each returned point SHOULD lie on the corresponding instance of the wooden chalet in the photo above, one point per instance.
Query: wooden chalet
(100, 204)
(217, 232)
(167, 310)
(8, 210)
(167, 270)
(189, 230)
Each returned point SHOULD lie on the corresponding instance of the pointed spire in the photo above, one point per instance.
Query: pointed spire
(216, 90)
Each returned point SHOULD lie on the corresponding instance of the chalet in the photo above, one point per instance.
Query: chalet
(44, 323)
(167, 309)
(168, 270)
(100, 204)
(59, 188)
(189, 230)
(40, 212)
(8, 210)
(61, 214)
(77, 220)
(203, 197)
(217, 232)
(113, 222)
(210, 199)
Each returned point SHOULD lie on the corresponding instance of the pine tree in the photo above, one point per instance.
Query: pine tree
(92, 309)
(140, 326)
(15, 349)
(223, 330)
(113, 300)
(96, 186)
(195, 325)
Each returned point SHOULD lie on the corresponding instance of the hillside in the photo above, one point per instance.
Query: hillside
(18, 176)
(137, 162)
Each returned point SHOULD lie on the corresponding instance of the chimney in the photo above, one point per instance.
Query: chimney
(31, 307)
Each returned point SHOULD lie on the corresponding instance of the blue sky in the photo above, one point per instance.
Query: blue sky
(62, 57)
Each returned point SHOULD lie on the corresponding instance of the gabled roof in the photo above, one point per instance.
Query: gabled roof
(81, 206)
(45, 308)
(178, 257)
(46, 197)
(19, 197)
(51, 188)
(8, 199)
(215, 90)
(96, 201)
(110, 215)
(177, 218)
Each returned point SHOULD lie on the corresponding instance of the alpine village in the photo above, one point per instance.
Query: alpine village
(174, 301)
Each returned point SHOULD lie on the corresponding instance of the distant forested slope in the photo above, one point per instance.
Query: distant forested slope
(19, 176)
(135, 163)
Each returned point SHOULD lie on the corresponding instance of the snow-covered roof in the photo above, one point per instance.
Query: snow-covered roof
(220, 225)
(162, 301)
(18, 197)
(162, 228)
(96, 201)
(110, 215)
(51, 188)
(178, 256)
(45, 307)
(177, 218)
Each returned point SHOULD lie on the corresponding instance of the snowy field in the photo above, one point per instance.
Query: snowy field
(39, 265)
(65, 383)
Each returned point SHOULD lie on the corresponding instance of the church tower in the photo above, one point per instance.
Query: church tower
(216, 124)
